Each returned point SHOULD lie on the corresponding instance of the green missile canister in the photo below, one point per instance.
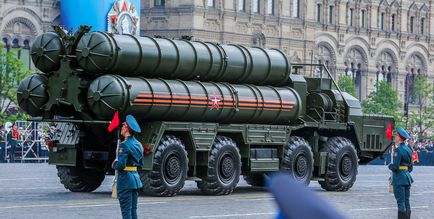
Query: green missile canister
(32, 94)
(175, 100)
(46, 52)
(103, 53)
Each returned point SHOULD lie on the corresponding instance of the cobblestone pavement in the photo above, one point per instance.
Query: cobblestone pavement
(34, 191)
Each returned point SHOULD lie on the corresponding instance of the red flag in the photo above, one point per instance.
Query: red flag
(415, 157)
(114, 123)
(389, 132)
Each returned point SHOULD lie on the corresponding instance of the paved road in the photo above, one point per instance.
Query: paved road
(34, 191)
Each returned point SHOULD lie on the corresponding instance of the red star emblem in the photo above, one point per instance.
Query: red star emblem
(215, 102)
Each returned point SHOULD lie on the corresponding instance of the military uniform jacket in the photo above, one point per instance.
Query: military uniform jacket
(130, 153)
(402, 157)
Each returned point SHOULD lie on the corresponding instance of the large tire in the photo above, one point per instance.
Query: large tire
(169, 171)
(80, 180)
(256, 179)
(224, 168)
(342, 164)
(298, 160)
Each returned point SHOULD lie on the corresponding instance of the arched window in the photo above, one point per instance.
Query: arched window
(356, 63)
(415, 66)
(318, 13)
(350, 16)
(26, 44)
(324, 54)
(395, 16)
(5, 41)
(331, 14)
(412, 16)
(381, 21)
(15, 43)
(423, 14)
(362, 18)
(354, 71)
(364, 12)
(386, 66)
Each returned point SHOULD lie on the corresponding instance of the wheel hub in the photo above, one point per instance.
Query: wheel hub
(301, 166)
(346, 166)
(173, 168)
(226, 168)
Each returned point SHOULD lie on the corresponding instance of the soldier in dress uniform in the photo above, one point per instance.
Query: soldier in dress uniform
(401, 167)
(130, 157)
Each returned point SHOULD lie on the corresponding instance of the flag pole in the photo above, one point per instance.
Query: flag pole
(391, 174)
(114, 186)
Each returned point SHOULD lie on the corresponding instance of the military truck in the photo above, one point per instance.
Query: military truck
(209, 113)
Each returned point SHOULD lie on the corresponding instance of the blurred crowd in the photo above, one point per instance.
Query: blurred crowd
(24, 141)
(422, 145)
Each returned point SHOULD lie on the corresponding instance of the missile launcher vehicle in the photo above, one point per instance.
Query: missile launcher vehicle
(209, 113)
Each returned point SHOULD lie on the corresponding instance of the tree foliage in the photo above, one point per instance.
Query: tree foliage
(11, 73)
(346, 84)
(384, 101)
(422, 117)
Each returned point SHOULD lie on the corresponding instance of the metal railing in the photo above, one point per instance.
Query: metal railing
(297, 68)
